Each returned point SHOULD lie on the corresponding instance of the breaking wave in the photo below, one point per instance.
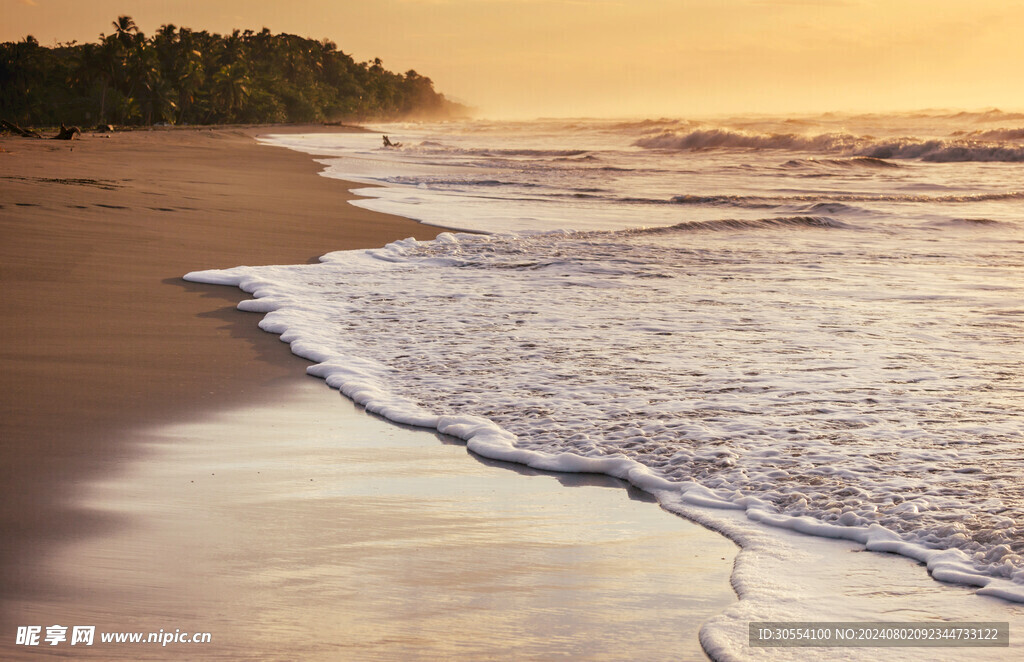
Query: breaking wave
(995, 134)
(941, 151)
(933, 150)
(725, 138)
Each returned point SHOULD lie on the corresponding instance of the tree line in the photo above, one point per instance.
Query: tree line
(183, 76)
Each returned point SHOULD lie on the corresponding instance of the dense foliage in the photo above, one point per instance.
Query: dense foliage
(182, 76)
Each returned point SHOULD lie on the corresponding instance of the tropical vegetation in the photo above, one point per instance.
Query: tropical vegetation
(184, 76)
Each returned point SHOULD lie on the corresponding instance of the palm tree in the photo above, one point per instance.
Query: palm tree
(230, 90)
(125, 30)
(107, 60)
(147, 84)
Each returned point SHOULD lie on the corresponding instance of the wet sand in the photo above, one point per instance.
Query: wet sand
(307, 529)
(99, 330)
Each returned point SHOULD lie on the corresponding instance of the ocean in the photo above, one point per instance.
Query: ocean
(803, 332)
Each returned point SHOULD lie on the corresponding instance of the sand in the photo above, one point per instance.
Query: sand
(99, 330)
(108, 355)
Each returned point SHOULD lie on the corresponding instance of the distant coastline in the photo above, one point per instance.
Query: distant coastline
(183, 76)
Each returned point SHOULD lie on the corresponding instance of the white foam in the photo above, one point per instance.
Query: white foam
(560, 352)
(808, 388)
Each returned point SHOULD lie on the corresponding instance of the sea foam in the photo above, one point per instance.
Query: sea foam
(770, 339)
(650, 359)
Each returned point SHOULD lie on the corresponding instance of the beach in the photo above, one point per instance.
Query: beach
(472, 331)
(107, 353)
(101, 331)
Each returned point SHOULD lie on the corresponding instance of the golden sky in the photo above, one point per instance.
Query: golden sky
(527, 58)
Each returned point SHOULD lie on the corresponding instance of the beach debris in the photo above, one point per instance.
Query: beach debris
(14, 128)
(388, 143)
(68, 132)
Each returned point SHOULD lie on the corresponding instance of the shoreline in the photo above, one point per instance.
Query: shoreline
(177, 524)
(108, 353)
(101, 333)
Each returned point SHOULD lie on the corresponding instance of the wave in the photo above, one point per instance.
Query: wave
(577, 159)
(940, 151)
(933, 150)
(993, 134)
(753, 202)
(992, 115)
(743, 201)
(830, 208)
(748, 224)
(491, 182)
(702, 139)
(431, 147)
(971, 222)
(854, 162)
(649, 125)
(764, 202)
(457, 182)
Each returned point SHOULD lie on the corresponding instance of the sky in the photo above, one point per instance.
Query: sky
(627, 58)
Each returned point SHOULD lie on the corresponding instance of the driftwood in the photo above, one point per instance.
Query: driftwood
(14, 128)
(68, 132)
(388, 143)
